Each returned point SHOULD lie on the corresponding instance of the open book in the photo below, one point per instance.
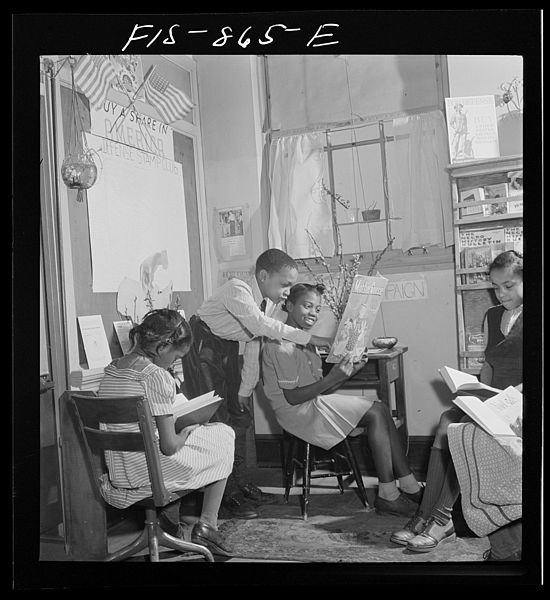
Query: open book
(195, 411)
(356, 325)
(465, 383)
(495, 414)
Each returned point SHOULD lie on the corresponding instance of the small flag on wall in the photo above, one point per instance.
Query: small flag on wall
(94, 75)
(171, 104)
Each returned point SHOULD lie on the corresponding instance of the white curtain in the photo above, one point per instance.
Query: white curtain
(298, 204)
(420, 191)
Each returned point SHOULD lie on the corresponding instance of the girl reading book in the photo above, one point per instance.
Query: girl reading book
(503, 367)
(200, 456)
(305, 405)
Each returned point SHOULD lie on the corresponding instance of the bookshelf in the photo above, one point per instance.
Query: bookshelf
(487, 197)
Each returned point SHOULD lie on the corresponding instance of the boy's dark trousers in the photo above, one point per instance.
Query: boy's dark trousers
(213, 363)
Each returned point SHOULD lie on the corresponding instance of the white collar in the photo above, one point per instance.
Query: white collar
(256, 290)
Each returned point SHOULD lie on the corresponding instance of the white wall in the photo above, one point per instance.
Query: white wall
(232, 159)
(231, 129)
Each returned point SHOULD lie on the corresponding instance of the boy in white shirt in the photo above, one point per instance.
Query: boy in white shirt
(231, 315)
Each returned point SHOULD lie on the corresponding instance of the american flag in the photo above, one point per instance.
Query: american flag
(94, 75)
(171, 104)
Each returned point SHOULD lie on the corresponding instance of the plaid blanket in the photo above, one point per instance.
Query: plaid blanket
(490, 477)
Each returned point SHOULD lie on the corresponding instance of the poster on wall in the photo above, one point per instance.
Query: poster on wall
(245, 274)
(136, 209)
(131, 127)
(232, 228)
(472, 128)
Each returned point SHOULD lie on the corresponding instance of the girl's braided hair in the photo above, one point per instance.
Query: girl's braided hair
(299, 289)
(161, 327)
(510, 258)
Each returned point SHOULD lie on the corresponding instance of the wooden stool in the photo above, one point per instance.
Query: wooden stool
(341, 460)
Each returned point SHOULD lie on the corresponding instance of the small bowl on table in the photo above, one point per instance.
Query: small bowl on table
(384, 342)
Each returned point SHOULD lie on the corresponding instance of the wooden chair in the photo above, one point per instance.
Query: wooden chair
(340, 459)
(88, 412)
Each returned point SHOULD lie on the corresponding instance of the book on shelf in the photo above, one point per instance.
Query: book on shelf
(355, 327)
(472, 195)
(476, 341)
(122, 330)
(515, 206)
(480, 258)
(474, 362)
(475, 304)
(513, 237)
(515, 183)
(195, 411)
(466, 383)
(497, 414)
(473, 238)
(492, 192)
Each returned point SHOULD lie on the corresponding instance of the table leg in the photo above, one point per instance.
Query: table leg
(400, 399)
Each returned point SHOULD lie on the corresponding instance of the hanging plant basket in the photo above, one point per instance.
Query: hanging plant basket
(79, 171)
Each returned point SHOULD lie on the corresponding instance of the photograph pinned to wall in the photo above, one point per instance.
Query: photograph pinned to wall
(129, 74)
(472, 128)
(232, 232)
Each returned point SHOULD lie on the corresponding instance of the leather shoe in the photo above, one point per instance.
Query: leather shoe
(255, 494)
(167, 524)
(432, 536)
(413, 527)
(206, 535)
(417, 496)
(401, 506)
(236, 507)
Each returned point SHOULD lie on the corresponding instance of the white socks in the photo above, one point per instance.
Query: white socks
(409, 484)
(388, 491)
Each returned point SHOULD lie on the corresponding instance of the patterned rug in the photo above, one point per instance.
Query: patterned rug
(338, 530)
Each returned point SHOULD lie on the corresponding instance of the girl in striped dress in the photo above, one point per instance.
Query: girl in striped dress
(197, 457)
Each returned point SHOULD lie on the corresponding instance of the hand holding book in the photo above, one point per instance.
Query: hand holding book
(195, 411)
(465, 383)
(501, 415)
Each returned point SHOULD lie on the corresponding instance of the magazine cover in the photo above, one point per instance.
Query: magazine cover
(497, 190)
(472, 128)
(356, 325)
(472, 195)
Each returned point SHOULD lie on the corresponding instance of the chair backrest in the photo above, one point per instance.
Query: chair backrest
(91, 410)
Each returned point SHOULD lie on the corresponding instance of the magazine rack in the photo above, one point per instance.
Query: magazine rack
(487, 220)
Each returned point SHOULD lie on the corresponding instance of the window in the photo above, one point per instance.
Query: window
(356, 164)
